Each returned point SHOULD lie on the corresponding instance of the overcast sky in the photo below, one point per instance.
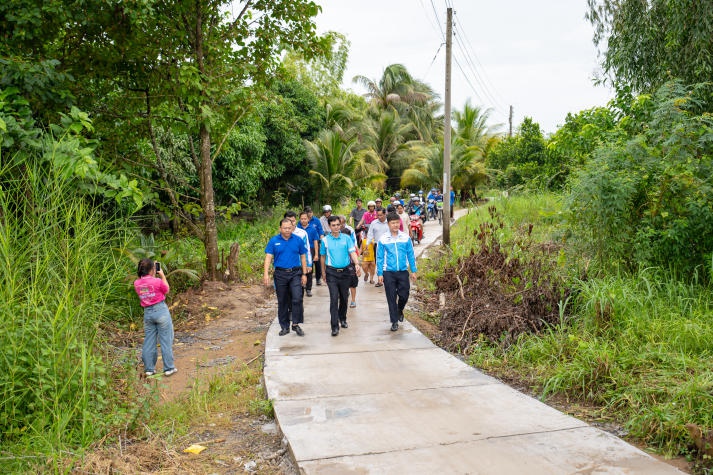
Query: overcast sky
(535, 56)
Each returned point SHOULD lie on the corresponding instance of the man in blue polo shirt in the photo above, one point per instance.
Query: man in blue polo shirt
(290, 255)
(316, 223)
(394, 256)
(339, 262)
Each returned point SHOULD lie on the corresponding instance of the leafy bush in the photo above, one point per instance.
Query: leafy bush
(648, 200)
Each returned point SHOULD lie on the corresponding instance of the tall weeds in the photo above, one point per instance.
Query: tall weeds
(58, 281)
(639, 345)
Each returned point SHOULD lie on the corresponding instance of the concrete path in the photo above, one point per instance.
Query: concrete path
(372, 401)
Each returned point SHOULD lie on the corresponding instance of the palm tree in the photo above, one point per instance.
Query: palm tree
(336, 169)
(395, 87)
(386, 137)
(398, 91)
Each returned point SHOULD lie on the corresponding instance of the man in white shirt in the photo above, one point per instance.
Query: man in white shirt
(378, 228)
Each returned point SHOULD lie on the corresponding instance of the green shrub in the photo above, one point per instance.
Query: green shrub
(59, 281)
(648, 200)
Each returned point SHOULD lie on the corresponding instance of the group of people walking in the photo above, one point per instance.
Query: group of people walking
(306, 250)
(328, 250)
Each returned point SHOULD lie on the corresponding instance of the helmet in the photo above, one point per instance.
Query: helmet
(326, 208)
(370, 203)
(397, 195)
(416, 198)
(411, 195)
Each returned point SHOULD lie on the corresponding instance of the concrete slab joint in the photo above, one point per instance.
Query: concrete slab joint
(376, 401)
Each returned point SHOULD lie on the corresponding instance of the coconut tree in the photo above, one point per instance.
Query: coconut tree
(387, 137)
(336, 168)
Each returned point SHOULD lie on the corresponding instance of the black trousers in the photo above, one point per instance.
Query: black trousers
(288, 286)
(338, 285)
(317, 267)
(310, 275)
(396, 288)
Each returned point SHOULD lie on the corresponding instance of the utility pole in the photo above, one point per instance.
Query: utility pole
(447, 135)
(510, 121)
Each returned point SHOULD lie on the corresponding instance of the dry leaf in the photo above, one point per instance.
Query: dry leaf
(194, 449)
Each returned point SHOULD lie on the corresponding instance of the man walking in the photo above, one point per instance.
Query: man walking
(377, 229)
(313, 239)
(315, 223)
(355, 218)
(349, 231)
(339, 262)
(394, 256)
(290, 260)
(302, 234)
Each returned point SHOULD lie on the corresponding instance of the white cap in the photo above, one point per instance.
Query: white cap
(326, 208)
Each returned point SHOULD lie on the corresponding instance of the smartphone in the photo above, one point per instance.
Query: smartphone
(158, 267)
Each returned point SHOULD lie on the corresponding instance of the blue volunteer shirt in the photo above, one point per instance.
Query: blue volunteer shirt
(337, 250)
(317, 225)
(286, 252)
(312, 234)
(395, 253)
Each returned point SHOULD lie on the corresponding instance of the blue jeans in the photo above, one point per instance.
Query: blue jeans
(157, 326)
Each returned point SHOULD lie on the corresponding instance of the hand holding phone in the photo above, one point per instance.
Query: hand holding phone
(158, 267)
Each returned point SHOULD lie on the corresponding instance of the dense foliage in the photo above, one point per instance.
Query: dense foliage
(647, 43)
(646, 198)
(60, 281)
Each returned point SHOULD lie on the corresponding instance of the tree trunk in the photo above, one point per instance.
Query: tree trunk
(210, 240)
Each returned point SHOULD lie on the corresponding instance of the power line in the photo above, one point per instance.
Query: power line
(487, 92)
(470, 52)
(438, 20)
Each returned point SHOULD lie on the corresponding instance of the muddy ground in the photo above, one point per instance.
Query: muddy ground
(219, 327)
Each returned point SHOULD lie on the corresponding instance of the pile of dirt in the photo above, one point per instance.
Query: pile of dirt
(494, 295)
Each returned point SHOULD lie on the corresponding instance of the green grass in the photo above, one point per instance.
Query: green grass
(638, 346)
(58, 283)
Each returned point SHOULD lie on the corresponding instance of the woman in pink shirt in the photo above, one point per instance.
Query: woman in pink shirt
(158, 325)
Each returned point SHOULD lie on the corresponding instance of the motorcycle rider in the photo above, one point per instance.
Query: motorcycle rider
(416, 207)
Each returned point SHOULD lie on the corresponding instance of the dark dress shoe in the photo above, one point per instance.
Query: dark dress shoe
(298, 330)
(343, 323)
(284, 331)
(394, 326)
(401, 316)
(335, 331)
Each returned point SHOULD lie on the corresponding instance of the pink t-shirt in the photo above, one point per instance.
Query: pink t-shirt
(369, 217)
(151, 290)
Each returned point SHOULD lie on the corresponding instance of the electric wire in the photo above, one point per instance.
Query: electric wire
(468, 47)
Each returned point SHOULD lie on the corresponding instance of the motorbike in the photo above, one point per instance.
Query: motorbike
(415, 228)
(439, 208)
(431, 209)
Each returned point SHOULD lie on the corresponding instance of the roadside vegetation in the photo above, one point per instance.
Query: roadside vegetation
(587, 273)
(635, 348)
